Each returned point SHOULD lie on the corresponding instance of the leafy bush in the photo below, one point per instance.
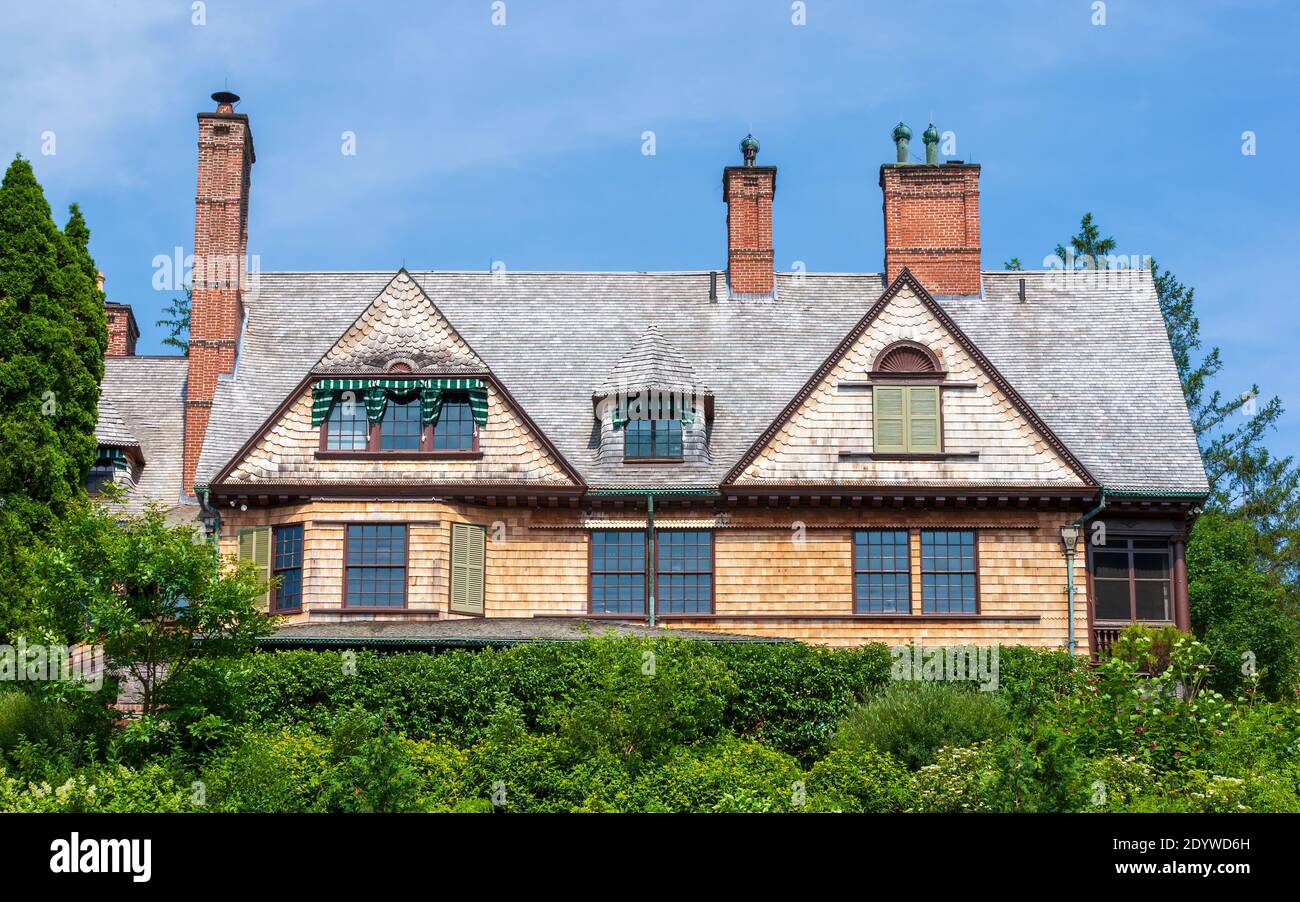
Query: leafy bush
(913, 720)
(859, 780)
(539, 773)
(1032, 680)
(960, 780)
(729, 775)
(25, 717)
(278, 772)
(113, 789)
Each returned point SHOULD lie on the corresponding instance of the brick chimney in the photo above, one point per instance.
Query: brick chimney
(932, 218)
(220, 262)
(122, 328)
(748, 191)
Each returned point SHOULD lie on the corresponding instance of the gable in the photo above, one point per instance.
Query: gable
(829, 434)
(401, 325)
(287, 452)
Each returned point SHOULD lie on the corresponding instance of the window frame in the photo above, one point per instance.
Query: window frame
(907, 545)
(276, 571)
(646, 563)
(660, 572)
(406, 565)
(974, 571)
(374, 441)
(656, 458)
(1132, 579)
(906, 386)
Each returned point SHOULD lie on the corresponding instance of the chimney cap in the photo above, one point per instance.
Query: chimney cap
(749, 148)
(225, 98)
(931, 135)
(902, 132)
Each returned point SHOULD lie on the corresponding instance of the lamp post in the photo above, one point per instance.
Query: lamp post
(1070, 540)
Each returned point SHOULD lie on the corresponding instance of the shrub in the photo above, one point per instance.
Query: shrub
(114, 789)
(1148, 647)
(636, 700)
(913, 720)
(23, 716)
(859, 780)
(539, 773)
(729, 775)
(278, 772)
(960, 780)
(1032, 680)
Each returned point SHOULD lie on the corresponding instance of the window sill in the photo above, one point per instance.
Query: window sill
(398, 455)
(653, 460)
(904, 455)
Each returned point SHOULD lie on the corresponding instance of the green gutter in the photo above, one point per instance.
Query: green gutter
(611, 493)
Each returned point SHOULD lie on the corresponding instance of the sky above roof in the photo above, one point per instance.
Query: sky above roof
(530, 143)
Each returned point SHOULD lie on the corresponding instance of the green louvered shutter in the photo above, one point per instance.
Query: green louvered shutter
(468, 557)
(255, 546)
(923, 418)
(890, 424)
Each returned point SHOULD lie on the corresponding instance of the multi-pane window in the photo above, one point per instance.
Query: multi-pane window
(376, 565)
(618, 572)
(906, 419)
(286, 566)
(454, 430)
(652, 439)
(1130, 579)
(882, 572)
(684, 577)
(948, 571)
(400, 428)
(347, 428)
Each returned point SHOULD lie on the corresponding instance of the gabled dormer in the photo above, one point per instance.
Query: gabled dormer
(653, 408)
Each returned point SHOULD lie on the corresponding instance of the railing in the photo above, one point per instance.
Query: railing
(1103, 637)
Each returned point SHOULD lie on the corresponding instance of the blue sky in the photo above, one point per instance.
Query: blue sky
(523, 143)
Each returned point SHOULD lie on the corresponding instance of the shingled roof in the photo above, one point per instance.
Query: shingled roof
(111, 430)
(144, 398)
(653, 363)
(1088, 352)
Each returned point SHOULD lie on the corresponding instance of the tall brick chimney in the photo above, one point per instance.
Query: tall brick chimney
(123, 331)
(932, 218)
(748, 191)
(220, 262)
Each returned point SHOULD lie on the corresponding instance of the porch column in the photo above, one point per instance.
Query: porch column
(1182, 604)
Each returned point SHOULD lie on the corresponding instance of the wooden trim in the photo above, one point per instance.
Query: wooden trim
(905, 278)
(908, 455)
(399, 455)
(406, 568)
(975, 544)
(889, 618)
(936, 370)
(853, 565)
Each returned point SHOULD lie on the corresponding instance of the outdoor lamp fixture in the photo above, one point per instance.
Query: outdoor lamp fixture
(1070, 539)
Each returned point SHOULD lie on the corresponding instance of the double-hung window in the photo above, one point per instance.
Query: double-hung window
(948, 571)
(286, 567)
(401, 428)
(375, 565)
(882, 572)
(1131, 580)
(683, 572)
(650, 439)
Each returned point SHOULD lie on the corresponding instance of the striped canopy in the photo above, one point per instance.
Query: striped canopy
(654, 405)
(375, 392)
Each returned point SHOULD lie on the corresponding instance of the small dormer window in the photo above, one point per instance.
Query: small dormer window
(906, 417)
(653, 440)
(400, 416)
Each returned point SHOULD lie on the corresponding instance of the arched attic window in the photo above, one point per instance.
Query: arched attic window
(906, 416)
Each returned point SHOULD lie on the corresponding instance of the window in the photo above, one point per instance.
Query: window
(684, 577)
(906, 419)
(882, 572)
(948, 572)
(652, 439)
(347, 428)
(400, 429)
(375, 563)
(468, 553)
(454, 430)
(1130, 579)
(287, 567)
(618, 572)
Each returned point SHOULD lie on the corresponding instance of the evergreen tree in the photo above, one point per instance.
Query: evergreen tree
(52, 341)
(1013, 264)
(1088, 246)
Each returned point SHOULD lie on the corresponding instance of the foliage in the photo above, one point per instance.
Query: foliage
(152, 594)
(912, 721)
(636, 700)
(177, 322)
(859, 779)
(52, 341)
(104, 789)
(729, 775)
(1242, 613)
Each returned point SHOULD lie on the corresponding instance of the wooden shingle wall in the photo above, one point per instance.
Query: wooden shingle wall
(976, 417)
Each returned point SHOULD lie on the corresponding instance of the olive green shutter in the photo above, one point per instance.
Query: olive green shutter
(255, 546)
(468, 554)
(890, 425)
(923, 418)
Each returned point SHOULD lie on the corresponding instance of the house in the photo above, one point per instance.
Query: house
(930, 453)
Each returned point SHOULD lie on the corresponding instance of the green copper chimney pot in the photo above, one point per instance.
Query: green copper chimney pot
(749, 147)
(931, 139)
(902, 134)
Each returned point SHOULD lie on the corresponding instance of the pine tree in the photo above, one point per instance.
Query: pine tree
(52, 341)
(1088, 246)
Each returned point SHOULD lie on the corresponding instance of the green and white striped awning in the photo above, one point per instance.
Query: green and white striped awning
(108, 456)
(375, 392)
(654, 405)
